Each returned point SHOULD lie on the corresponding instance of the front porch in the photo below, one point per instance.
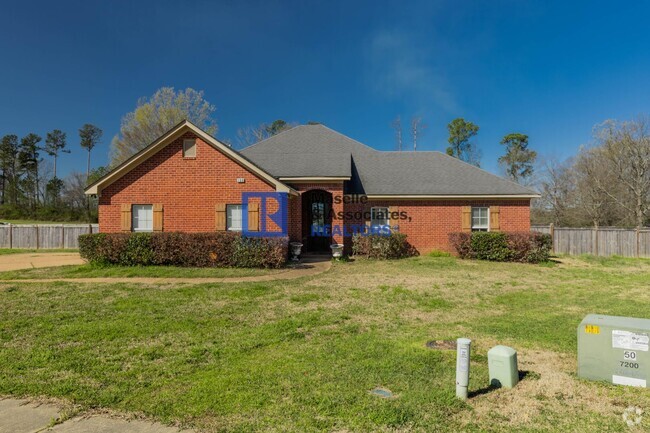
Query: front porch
(314, 217)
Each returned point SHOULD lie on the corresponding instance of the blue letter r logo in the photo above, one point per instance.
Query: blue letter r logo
(279, 217)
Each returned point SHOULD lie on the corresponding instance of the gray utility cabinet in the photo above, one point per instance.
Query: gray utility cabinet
(614, 349)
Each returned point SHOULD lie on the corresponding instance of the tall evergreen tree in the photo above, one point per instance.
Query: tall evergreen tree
(90, 136)
(519, 159)
(461, 132)
(54, 144)
(9, 166)
(29, 160)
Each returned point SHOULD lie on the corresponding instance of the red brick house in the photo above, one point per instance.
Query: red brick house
(189, 181)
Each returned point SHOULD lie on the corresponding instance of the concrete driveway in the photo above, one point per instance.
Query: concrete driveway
(20, 416)
(13, 262)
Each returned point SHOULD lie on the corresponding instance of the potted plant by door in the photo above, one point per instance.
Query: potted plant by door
(296, 248)
(337, 250)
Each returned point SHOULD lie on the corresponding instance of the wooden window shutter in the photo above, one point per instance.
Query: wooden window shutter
(393, 217)
(220, 217)
(125, 221)
(466, 220)
(157, 217)
(495, 225)
(253, 217)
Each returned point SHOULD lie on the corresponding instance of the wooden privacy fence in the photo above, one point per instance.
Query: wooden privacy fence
(602, 241)
(44, 236)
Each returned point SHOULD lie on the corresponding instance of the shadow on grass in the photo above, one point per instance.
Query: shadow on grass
(494, 385)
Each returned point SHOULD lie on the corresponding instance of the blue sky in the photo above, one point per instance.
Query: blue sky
(549, 69)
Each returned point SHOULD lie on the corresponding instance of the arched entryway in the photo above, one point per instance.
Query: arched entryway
(317, 220)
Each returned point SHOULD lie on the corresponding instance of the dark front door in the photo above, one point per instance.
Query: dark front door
(317, 223)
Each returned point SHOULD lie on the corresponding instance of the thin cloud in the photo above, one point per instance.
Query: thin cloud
(400, 68)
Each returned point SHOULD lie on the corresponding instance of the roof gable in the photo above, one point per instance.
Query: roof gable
(171, 135)
(306, 151)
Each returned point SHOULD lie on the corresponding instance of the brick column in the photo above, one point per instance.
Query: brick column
(337, 210)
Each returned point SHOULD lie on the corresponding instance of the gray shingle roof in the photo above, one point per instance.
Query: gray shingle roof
(315, 150)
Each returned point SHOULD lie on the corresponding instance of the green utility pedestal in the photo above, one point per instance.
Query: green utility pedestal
(502, 363)
(614, 349)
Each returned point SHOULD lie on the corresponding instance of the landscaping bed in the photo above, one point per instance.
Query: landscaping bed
(214, 249)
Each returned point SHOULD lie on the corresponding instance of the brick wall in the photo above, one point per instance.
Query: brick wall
(429, 222)
(188, 189)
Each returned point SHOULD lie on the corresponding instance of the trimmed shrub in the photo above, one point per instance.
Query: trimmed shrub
(219, 249)
(539, 249)
(259, 252)
(460, 241)
(503, 246)
(393, 246)
(490, 246)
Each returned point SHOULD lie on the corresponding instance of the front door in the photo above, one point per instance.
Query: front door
(316, 221)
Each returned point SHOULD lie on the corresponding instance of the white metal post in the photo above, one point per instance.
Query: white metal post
(462, 367)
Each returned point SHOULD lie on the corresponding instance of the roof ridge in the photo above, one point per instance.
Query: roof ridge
(273, 136)
(409, 151)
(345, 136)
(487, 172)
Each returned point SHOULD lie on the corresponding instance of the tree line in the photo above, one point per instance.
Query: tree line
(606, 184)
(30, 187)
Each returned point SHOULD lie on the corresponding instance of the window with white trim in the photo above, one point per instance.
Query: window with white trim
(189, 148)
(480, 219)
(234, 217)
(379, 216)
(142, 217)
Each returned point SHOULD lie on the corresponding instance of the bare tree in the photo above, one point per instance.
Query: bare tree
(73, 190)
(592, 175)
(397, 126)
(557, 186)
(417, 128)
(252, 134)
(626, 149)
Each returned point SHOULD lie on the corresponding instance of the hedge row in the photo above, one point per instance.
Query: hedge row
(393, 246)
(219, 249)
(503, 246)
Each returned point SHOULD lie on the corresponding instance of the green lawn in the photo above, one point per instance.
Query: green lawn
(301, 355)
(94, 271)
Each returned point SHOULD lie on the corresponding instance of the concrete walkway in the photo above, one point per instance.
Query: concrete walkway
(21, 416)
(309, 267)
(14, 262)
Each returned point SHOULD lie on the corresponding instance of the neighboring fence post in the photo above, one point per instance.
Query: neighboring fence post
(11, 236)
(62, 236)
(551, 230)
(36, 236)
(638, 242)
(595, 229)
